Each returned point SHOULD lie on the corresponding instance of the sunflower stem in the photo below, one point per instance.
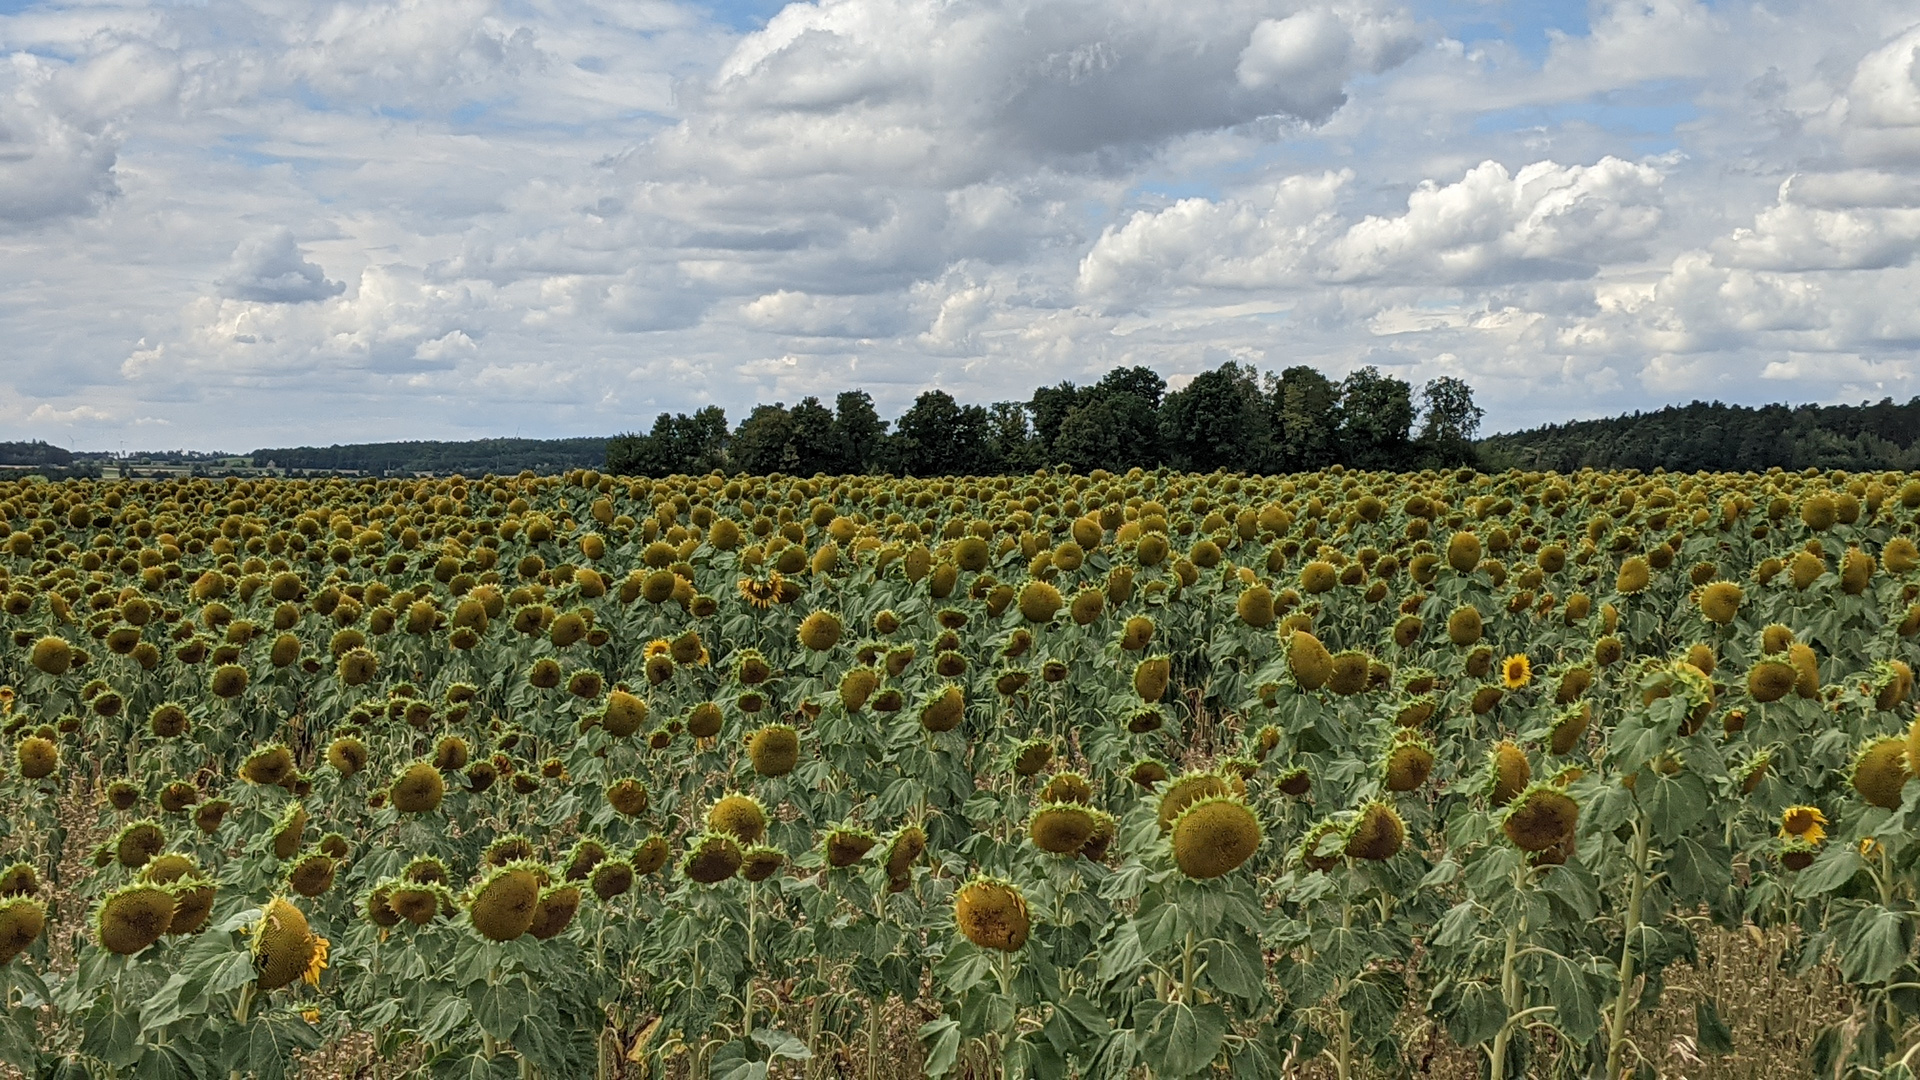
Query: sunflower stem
(240, 1015)
(1510, 991)
(1617, 1027)
(1186, 971)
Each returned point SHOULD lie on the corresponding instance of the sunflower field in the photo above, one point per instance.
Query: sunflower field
(1153, 774)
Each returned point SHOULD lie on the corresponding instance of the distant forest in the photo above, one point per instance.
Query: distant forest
(34, 453)
(1718, 437)
(1232, 417)
(475, 458)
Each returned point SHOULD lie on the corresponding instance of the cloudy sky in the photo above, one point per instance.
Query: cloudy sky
(234, 223)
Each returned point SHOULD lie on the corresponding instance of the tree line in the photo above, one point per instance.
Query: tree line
(34, 453)
(477, 457)
(1723, 438)
(1233, 417)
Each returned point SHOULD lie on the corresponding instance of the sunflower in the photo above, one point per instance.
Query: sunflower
(761, 594)
(1804, 822)
(1516, 671)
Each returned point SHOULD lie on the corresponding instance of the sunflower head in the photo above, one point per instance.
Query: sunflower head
(1183, 792)
(1061, 828)
(502, 907)
(774, 749)
(1806, 823)
(133, 917)
(1516, 671)
(992, 913)
(20, 879)
(1408, 763)
(22, 918)
(269, 765)
(138, 843)
(347, 755)
(1213, 836)
(712, 858)
(1309, 662)
(650, 855)
(628, 796)
(417, 789)
(1508, 773)
(944, 710)
(739, 816)
(1067, 787)
(1540, 817)
(624, 714)
(1880, 772)
(1376, 833)
(612, 878)
(845, 845)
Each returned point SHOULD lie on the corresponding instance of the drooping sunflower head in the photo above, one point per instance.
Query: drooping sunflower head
(138, 843)
(760, 862)
(845, 845)
(1540, 817)
(628, 796)
(1147, 773)
(944, 709)
(269, 765)
(1376, 833)
(1061, 828)
(37, 756)
(1880, 772)
(554, 911)
(133, 917)
(712, 858)
(1031, 756)
(1214, 836)
(992, 913)
(506, 850)
(347, 755)
(740, 816)
(612, 878)
(1183, 792)
(820, 631)
(22, 918)
(650, 855)
(1720, 601)
(502, 907)
(417, 789)
(1508, 773)
(1308, 661)
(1408, 761)
(418, 902)
(1067, 787)
(20, 879)
(906, 847)
(774, 749)
(624, 714)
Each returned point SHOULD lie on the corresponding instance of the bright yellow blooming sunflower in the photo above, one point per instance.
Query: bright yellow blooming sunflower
(661, 646)
(319, 962)
(1805, 822)
(761, 594)
(1516, 671)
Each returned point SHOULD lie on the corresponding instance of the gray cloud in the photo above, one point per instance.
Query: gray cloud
(271, 269)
